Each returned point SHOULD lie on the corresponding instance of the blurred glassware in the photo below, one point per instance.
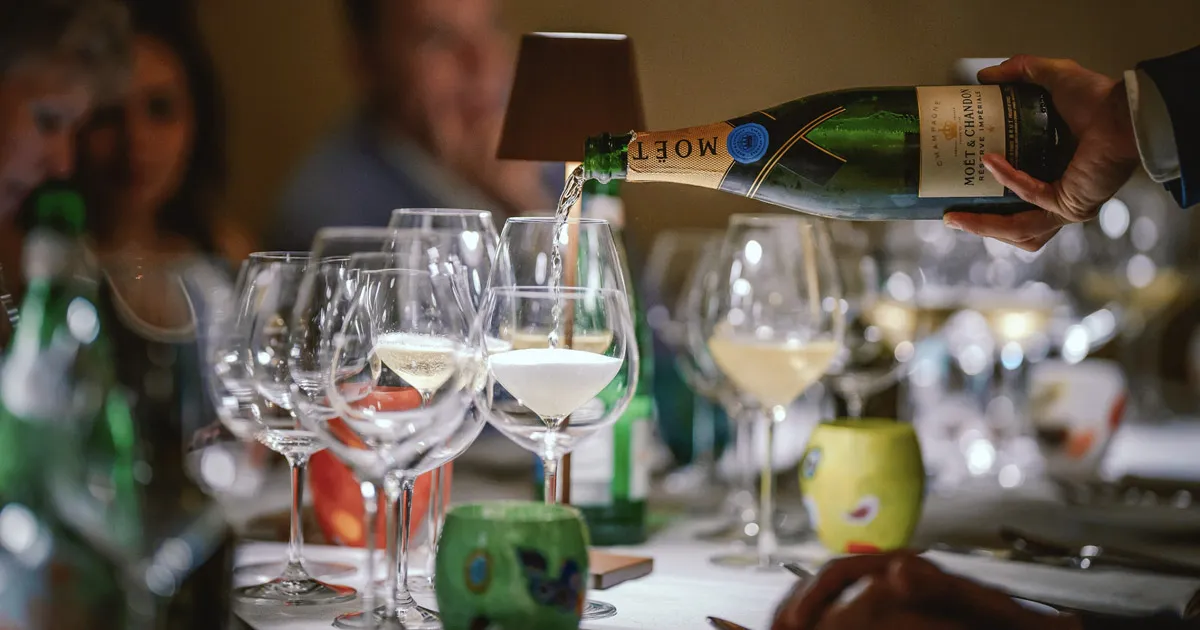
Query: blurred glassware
(1133, 255)
(141, 483)
(673, 257)
(773, 321)
(883, 322)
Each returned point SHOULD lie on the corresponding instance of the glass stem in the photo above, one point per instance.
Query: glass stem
(140, 604)
(392, 487)
(745, 460)
(435, 522)
(403, 599)
(854, 405)
(550, 489)
(370, 496)
(704, 435)
(767, 544)
(295, 566)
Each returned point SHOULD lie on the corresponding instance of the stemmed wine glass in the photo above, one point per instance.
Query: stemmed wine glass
(471, 245)
(882, 328)
(263, 344)
(774, 321)
(561, 353)
(382, 373)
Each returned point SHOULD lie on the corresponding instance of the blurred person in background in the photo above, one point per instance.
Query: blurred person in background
(57, 59)
(153, 166)
(433, 79)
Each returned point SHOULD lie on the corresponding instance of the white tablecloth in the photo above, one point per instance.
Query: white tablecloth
(684, 588)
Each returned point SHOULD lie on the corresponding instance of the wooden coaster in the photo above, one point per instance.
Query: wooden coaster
(609, 569)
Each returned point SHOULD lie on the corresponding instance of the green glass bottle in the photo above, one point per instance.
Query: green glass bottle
(53, 374)
(862, 154)
(610, 477)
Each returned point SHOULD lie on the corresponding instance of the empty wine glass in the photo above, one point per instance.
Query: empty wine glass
(381, 372)
(471, 245)
(268, 298)
(561, 353)
(774, 322)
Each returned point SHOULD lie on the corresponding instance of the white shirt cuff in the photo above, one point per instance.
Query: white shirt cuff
(1152, 127)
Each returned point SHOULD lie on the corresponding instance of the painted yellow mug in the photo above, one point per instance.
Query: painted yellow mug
(863, 484)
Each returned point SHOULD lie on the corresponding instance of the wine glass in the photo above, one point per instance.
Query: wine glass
(242, 409)
(264, 344)
(472, 244)
(135, 477)
(561, 353)
(1135, 270)
(673, 257)
(882, 325)
(381, 372)
(774, 322)
(473, 239)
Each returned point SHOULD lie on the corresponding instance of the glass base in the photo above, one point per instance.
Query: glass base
(420, 585)
(789, 529)
(266, 571)
(285, 592)
(593, 610)
(409, 618)
(751, 560)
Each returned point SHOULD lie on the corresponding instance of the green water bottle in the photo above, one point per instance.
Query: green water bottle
(610, 473)
(866, 154)
(53, 383)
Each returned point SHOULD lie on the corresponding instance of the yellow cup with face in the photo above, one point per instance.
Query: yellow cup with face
(863, 484)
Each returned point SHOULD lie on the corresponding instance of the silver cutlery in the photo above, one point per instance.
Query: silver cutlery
(799, 571)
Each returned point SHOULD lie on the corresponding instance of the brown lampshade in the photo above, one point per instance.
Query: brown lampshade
(569, 86)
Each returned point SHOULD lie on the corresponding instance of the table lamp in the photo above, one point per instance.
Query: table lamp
(568, 87)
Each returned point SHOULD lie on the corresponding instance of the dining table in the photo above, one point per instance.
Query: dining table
(684, 588)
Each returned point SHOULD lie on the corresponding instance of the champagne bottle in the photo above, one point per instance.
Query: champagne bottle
(863, 154)
(53, 381)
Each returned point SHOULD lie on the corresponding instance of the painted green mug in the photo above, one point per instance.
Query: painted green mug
(863, 484)
(508, 565)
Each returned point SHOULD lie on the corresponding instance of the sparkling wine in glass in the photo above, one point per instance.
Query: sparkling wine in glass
(774, 323)
(561, 352)
(471, 246)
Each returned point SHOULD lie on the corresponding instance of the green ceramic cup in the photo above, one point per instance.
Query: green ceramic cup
(512, 566)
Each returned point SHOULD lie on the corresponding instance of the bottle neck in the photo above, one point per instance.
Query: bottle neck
(605, 157)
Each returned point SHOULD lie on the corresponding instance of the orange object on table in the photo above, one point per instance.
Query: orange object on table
(337, 500)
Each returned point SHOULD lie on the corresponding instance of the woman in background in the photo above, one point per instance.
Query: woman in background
(153, 166)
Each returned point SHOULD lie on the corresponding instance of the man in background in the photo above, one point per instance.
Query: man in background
(433, 77)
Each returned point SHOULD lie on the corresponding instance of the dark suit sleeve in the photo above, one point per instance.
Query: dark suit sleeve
(1178, 80)
(1163, 621)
